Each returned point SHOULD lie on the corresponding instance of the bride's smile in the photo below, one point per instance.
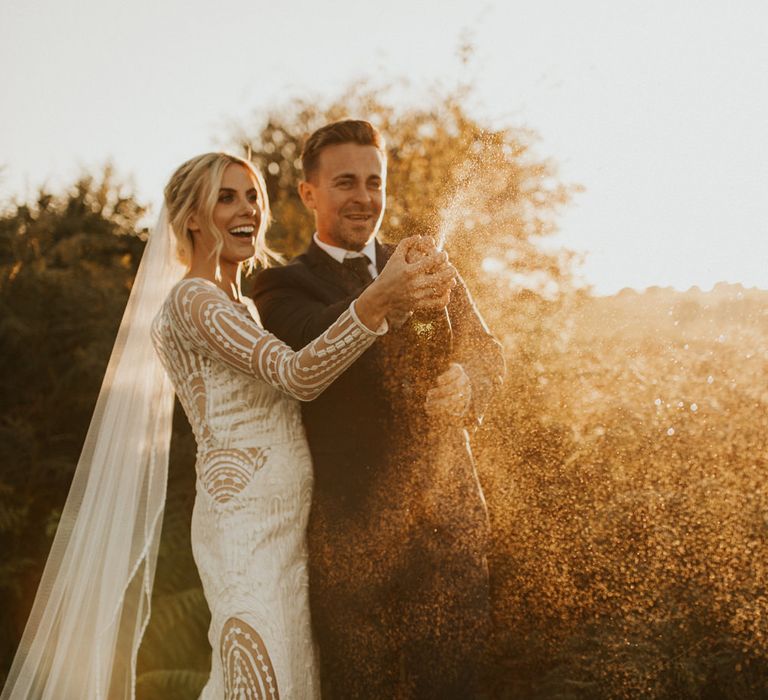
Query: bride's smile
(236, 217)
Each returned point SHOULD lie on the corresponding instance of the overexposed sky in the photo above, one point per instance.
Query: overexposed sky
(658, 108)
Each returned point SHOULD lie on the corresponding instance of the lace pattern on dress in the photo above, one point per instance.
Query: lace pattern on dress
(227, 472)
(219, 329)
(254, 480)
(248, 670)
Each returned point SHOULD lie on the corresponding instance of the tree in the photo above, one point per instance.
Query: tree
(66, 266)
(480, 189)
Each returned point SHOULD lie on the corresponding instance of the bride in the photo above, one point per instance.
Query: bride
(237, 385)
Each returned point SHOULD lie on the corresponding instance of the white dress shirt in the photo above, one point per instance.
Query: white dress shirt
(339, 254)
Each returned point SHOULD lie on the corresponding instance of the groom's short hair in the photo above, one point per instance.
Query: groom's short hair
(356, 131)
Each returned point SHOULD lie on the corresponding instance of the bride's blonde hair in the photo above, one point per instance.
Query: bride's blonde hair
(194, 190)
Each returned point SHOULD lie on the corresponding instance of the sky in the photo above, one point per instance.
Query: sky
(658, 109)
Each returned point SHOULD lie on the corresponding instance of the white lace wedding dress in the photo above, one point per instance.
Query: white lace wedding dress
(238, 385)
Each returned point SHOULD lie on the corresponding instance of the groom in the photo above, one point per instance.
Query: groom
(398, 529)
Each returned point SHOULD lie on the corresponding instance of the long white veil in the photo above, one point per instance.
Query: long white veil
(92, 606)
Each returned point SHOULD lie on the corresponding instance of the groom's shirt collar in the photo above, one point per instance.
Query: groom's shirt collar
(338, 254)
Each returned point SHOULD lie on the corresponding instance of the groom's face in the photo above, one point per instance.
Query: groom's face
(347, 194)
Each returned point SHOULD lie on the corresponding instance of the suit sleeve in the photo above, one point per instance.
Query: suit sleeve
(476, 350)
(289, 309)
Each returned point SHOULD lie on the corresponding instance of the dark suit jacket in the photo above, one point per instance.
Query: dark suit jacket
(398, 530)
(367, 414)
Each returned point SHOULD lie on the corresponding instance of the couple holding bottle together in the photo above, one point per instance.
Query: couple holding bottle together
(341, 539)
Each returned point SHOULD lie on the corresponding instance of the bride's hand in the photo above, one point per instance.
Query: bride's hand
(417, 276)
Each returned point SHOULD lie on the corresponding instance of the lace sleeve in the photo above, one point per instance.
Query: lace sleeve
(216, 328)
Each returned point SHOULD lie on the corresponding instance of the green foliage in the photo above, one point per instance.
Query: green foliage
(170, 684)
(66, 266)
(624, 469)
(179, 610)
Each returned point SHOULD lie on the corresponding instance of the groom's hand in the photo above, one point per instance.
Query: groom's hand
(451, 395)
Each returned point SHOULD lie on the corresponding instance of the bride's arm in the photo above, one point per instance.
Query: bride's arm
(211, 323)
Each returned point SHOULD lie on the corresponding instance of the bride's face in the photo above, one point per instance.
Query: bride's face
(236, 214)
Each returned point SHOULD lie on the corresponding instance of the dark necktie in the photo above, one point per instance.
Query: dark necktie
(359, 267)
